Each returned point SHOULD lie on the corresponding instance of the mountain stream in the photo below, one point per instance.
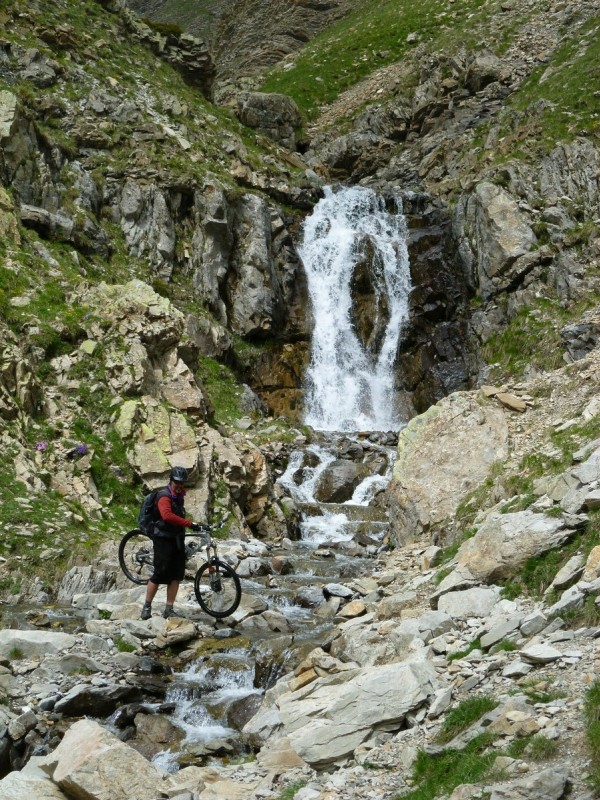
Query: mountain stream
(349, 402)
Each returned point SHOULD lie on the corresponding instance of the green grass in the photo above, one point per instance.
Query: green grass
(538, 572)
(291, 791)
(536, 748)
(463, 716)
(123, 646)
(539, 689)
(373, 36)
(223, 390)
(568, 83)
(592, 729)
(531, 338)
(440, 775)
(475, 645)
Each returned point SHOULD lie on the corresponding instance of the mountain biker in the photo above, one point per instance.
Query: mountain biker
(169, 545)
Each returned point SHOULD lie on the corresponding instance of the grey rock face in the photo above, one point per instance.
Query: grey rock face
(275, 115)
(494, 233)
(253, 289)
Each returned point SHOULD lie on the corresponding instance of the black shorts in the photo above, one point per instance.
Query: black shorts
(169, 560)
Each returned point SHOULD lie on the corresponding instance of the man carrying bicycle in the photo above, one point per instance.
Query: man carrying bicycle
(168, 539)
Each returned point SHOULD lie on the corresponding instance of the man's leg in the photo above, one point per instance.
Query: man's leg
(151, 590)
(172, 589)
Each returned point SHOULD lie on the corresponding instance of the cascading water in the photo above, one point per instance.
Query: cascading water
(349, 388)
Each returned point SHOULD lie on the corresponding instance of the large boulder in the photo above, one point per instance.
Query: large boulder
(19, 785)
(442, 455)
(504, 542)
(338, 481)
(32, 643)
(90, 762)
(330, 717)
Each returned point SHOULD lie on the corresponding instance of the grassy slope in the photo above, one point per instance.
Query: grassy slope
(376, 35)
(98, 50)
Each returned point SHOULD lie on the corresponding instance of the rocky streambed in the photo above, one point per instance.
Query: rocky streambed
(181, 691)
(343, 662)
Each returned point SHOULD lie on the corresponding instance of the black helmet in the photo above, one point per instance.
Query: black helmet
(179, 474)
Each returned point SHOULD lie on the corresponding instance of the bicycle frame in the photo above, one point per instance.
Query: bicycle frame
(209, 545)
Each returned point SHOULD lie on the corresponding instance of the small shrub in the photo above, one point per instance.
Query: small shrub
(123, 646)
(16, 654)
(164, 28)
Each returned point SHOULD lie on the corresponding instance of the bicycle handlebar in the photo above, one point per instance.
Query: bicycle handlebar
(206, 529)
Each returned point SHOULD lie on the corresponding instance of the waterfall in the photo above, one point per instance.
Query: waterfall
(350, 387)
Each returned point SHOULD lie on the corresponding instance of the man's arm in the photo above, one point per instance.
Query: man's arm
(166, 514)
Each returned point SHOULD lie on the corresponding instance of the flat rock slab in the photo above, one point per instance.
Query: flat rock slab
(540, 654)
(34, 643)
(476, 602)
(327, 721)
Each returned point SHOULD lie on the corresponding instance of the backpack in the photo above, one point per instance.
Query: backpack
(147, 516)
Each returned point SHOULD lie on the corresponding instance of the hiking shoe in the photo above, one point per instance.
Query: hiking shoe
(169, 612)
(146, 611)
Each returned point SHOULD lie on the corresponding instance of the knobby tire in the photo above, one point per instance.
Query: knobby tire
(217, 588)
(136, 556)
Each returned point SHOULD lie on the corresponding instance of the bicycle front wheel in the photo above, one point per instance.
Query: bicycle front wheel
(217, 588)
(136, 556)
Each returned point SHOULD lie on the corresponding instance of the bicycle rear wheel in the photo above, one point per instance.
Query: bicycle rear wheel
(217, 588)
(136, 556)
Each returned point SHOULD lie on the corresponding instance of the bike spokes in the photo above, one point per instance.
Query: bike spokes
(136, 556)
(217, 588)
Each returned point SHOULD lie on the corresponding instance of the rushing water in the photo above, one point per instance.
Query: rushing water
(350, 388)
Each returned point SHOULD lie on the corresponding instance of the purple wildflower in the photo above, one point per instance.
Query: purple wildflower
(41, 445)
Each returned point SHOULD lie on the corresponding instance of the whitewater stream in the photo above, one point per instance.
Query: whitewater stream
(350, 407)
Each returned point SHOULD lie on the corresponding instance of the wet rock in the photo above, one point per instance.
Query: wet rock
(97, 700)
(154, 733)
(309, 597)
(338, 481)
(242, 710)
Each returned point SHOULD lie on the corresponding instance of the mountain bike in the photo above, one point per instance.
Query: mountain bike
(216, 585)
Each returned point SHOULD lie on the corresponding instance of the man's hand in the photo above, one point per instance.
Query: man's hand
(195, 526)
